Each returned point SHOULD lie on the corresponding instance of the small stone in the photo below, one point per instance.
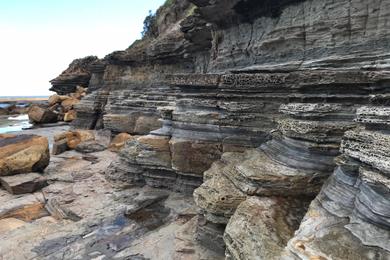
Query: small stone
(56, 99)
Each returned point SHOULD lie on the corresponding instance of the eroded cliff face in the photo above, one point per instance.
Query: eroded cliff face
(248, 102)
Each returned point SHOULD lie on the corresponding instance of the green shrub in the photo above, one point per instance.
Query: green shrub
(168, 2)
(150, 25)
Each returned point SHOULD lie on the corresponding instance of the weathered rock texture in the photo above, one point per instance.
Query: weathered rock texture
(297, 34)
(78, 74)
(353, 207)
(42, 115)
(23, 183)
(58, 108)
(23, 154)
(252, 98)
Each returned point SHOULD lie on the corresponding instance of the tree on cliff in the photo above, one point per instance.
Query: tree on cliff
(150, 25)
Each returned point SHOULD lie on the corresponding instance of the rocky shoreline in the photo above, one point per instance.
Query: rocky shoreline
(71, 211)
(18, 106)
(236, 130)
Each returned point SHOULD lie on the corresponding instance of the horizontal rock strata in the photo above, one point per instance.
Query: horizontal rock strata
(253, 98)
(297, 34)
(77, 74)
(298, 159)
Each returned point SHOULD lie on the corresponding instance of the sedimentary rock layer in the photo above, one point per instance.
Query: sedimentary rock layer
(265, 90)
(77, 74)
(353, 206)
(282, 35)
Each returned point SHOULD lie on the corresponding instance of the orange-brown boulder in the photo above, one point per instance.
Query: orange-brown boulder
(119, 141)
(23, 154)
(74, 138)
(68, 103)
(41, 115)
(56, 99)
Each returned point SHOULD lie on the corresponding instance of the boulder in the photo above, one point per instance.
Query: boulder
(41, 115)
(68, 103)
(23, 183)
(119, 141)
(56, 99)
(70, 116)
(23, 154)
(74, 138)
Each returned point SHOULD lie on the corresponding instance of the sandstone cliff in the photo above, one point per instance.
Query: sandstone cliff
(248, 103)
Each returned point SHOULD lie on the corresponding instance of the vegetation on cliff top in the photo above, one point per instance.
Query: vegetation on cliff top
(150, 25)
(150, 28)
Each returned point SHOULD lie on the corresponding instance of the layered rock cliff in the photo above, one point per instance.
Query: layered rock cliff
(248, 102)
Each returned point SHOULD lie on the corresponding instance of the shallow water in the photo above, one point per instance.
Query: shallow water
(13, 123)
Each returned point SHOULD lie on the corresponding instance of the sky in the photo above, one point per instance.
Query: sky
(40, 38)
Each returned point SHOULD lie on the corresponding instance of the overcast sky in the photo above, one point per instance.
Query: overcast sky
(39, 38)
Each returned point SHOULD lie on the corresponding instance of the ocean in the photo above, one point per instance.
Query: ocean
(13, 123)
